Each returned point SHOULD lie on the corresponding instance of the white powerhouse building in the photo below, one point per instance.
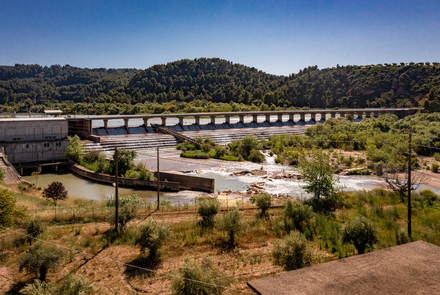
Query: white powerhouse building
(27, 140)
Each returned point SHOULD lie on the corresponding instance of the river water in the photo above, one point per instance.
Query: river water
(221, 171)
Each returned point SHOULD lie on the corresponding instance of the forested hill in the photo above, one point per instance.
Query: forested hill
(216, 80)
(221, 81)
(58, 83)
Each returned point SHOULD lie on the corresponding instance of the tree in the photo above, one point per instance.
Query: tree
(231, 223)
(39, 259)
(74, 150)
(125, 160)
(263, 201)
(56, 192)
(192, 274)
(9, 212)
(397, 180)
(318, 175)
(292, 252)
(361, 232)
(208, 208)
(151, 236)
(36, 174)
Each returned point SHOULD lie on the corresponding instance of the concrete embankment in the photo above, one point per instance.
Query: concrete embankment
(168, 181)
(11, 175)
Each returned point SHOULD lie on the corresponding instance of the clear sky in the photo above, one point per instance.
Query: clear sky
(278, 37)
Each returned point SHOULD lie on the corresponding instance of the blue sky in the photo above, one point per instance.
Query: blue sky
(278, 37)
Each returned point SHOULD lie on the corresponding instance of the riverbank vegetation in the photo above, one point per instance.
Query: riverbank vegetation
(98, 162)
(212, 84)
(264, 246)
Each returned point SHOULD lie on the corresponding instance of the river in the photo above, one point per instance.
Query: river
(221, 171)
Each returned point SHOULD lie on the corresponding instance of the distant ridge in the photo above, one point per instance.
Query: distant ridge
(218, 80)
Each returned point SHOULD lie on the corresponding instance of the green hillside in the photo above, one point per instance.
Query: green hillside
(205, 81)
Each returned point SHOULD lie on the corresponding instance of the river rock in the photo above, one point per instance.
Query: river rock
(287, 176)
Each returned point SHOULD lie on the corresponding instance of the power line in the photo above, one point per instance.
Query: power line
(123, 263)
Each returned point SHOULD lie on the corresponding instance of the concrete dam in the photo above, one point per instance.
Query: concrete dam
(135, 132)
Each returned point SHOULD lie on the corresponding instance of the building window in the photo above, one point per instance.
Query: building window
(16, 138)
(58, 144)
(46, 144)
(26, 145)
(13, 146)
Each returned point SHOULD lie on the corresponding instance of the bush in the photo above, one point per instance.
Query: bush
(256, 156)
(73, 285)
(126, 212)
(9, 212)
(33, 227)
(434, 167)
(132, 199)
(361, 232)
(2, 173)
(39, 259)
(263, 201)
(190, 275)
(74, 150)
(298, 213)
(292, 252)
(150, 235)
(186, 146)
(195, 155)
(207, 209)
(401, 236)
(231, 223)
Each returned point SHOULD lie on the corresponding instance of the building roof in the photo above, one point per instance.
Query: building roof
(412, 268)
(32, 119)
(53, 112)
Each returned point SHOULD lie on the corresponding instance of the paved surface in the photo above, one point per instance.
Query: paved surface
(412, 268)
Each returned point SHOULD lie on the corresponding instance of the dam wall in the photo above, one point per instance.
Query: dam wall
(168, 181)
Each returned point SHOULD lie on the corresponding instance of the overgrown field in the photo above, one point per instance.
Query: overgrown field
(124, 264)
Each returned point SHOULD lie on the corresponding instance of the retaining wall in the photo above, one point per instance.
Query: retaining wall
(188, 182)
(126, 182)
(168, 181)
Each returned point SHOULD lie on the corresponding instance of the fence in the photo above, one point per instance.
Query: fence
(166, 206)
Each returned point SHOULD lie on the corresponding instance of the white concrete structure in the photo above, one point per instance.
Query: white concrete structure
(27, 140)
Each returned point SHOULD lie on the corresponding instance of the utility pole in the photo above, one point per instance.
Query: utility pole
(158, 179)
(409, 183)
(116, 190)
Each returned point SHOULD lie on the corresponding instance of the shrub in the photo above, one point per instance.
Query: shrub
(33, 227)
(73, 285)
(298, 213)
(198, 154)
(39, 259)
(434, 167)
(378, 168)
(74, 150)
(401, 236)
(2, 173)
(207, 209)
(256, 156)
(9, 212)
(186, 146)
(190, 275)
(263, 201)
(292, 252)
(126, 212)
(132, 199)
(231, 223)
(361, 232)
(103, 165)
(150, 235)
